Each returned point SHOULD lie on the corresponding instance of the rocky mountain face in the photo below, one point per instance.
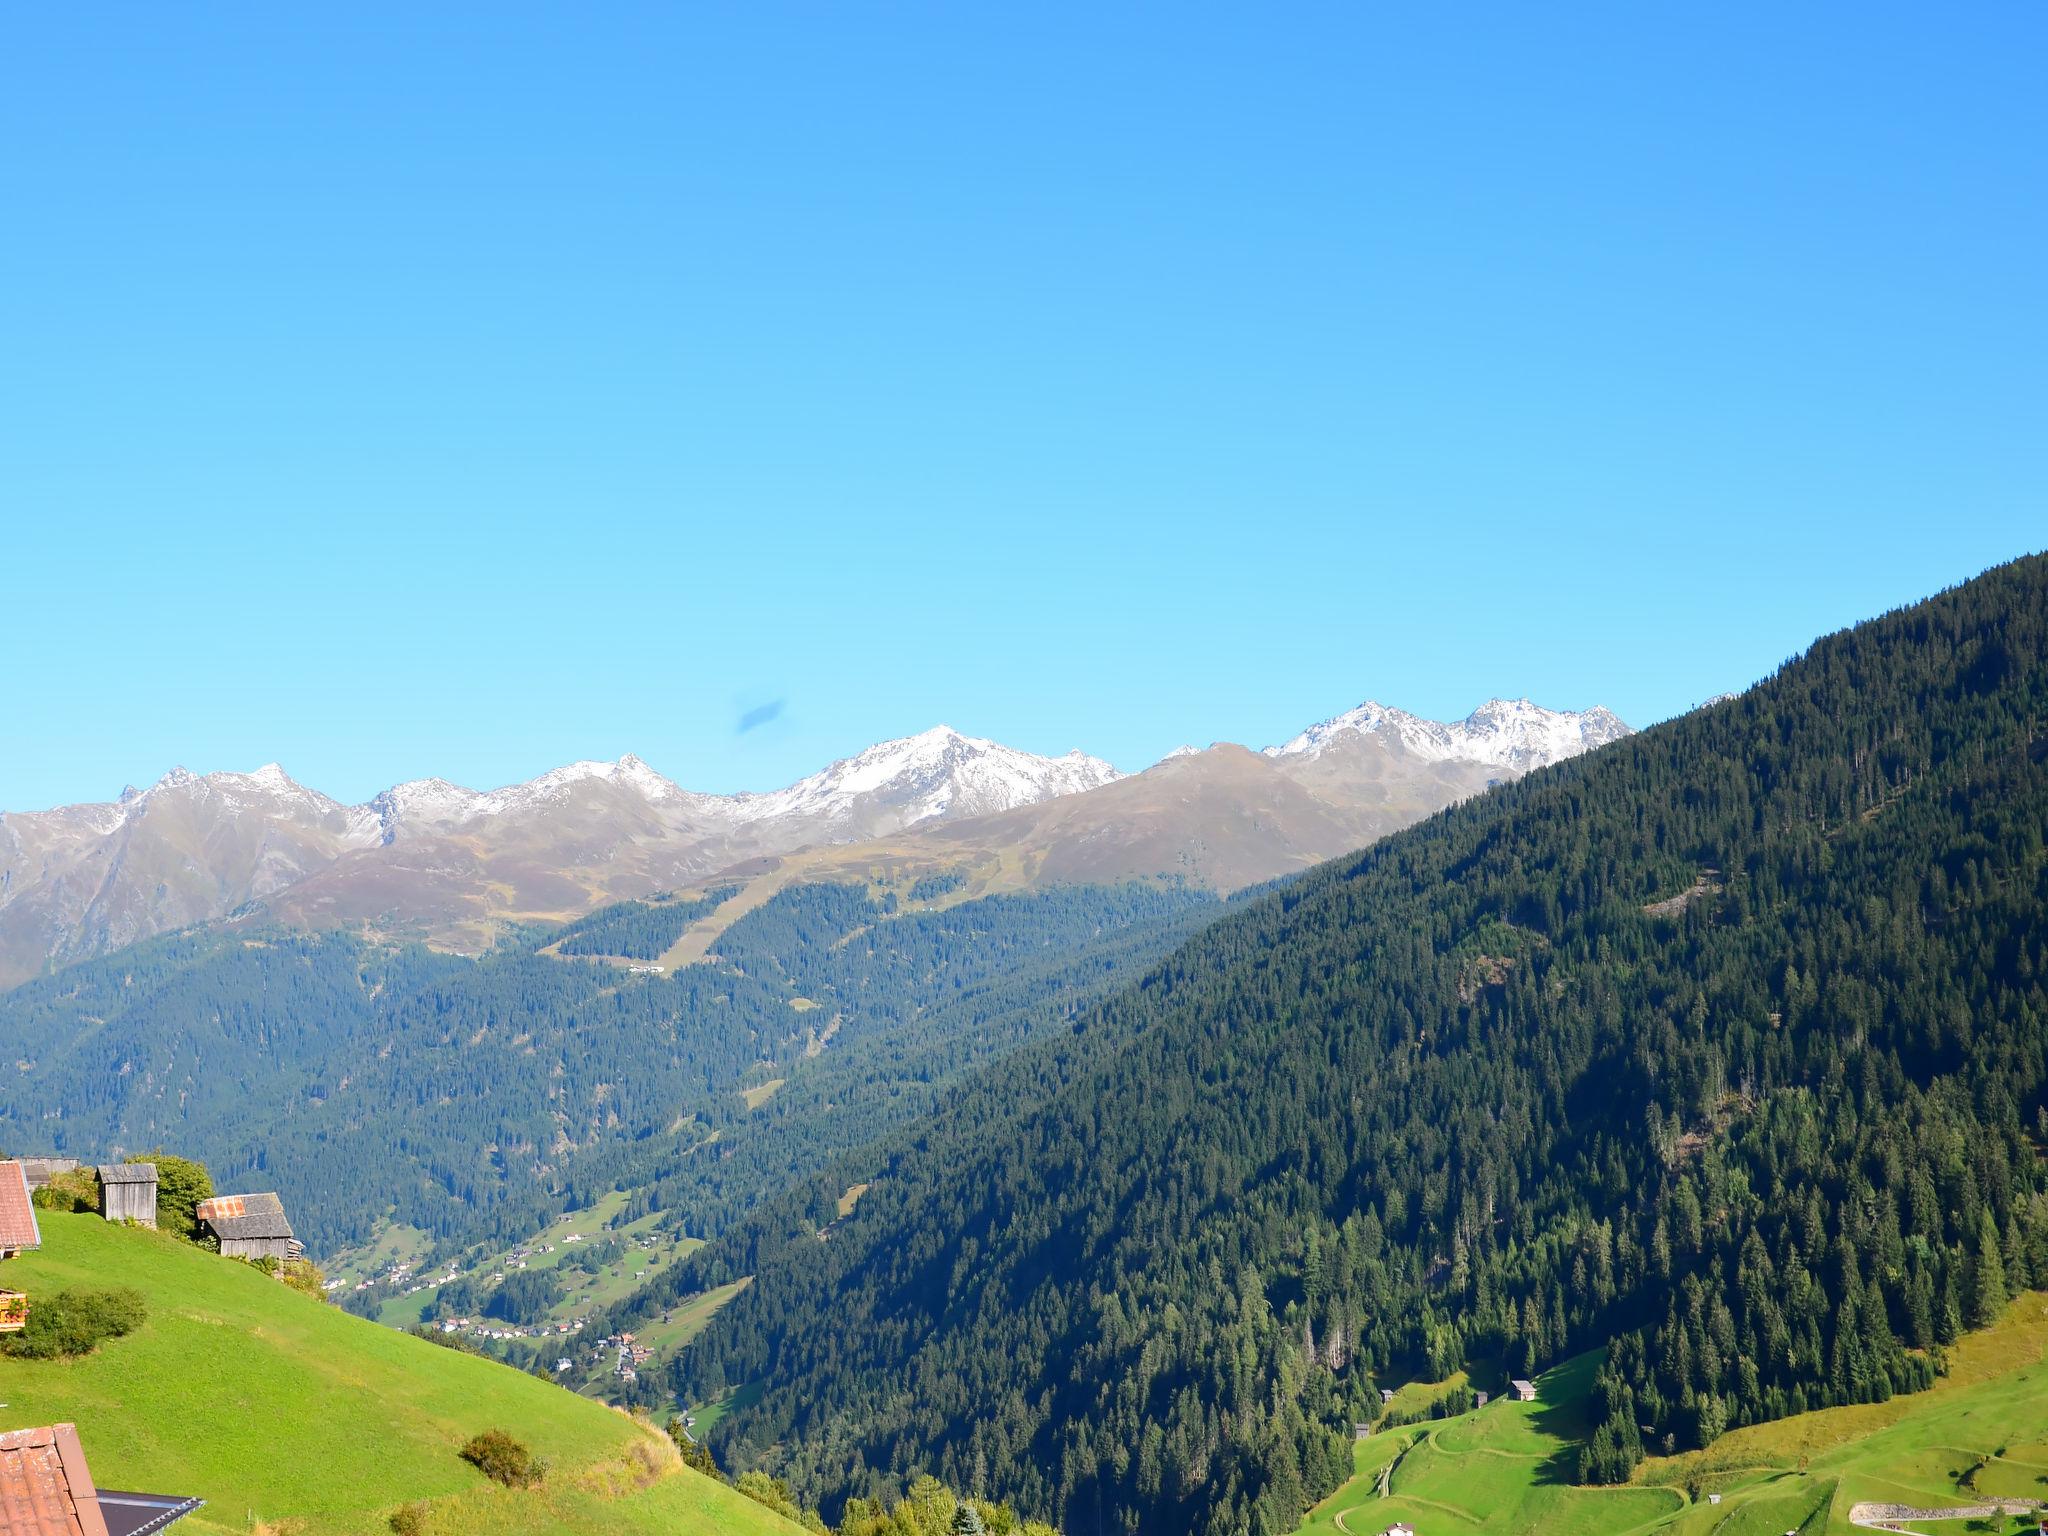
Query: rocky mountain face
(435, 860)
(85, 879)
(1223, 817)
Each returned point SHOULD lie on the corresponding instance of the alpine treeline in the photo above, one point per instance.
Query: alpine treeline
(1724, 1047)
(638, 930)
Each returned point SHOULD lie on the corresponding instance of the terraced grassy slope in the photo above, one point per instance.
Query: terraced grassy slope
(1981, 1434)
(287, 1414)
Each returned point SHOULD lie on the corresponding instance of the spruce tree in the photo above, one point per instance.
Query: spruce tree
(1987, 1276)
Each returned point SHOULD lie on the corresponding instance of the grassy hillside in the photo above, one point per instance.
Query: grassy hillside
(1981, 1433)
(288, 1414)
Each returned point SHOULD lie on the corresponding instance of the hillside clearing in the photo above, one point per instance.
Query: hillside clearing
(1980, 1435)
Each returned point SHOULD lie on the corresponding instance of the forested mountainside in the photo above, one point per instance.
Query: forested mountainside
(1725, 1046)
(477, 1098)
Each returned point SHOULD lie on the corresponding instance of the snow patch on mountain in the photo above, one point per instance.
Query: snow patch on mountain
(1507, 733)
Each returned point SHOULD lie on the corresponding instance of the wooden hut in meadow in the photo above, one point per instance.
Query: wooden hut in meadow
(41, 1170)
(249, 1227)
(128, 1192)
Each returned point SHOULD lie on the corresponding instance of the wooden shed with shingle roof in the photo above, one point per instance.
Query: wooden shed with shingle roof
(128, 1192)
(249, 1227)
(46, 1489)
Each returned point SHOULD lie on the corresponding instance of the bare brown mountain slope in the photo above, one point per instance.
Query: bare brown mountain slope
(1222, 819)
(432, 860)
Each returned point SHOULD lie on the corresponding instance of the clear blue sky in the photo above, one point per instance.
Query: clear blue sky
(465, 389)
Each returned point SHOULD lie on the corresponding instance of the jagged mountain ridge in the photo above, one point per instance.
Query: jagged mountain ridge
(1508, 733)
(432, 859)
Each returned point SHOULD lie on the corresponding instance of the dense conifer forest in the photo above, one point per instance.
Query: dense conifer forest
(477, 1098)
(1724, 1047)
(637, 930)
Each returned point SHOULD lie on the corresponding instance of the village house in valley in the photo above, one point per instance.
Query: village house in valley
(249, 1227)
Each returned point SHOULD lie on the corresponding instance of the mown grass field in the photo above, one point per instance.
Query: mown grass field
(1981, 1433)
(287, 1414)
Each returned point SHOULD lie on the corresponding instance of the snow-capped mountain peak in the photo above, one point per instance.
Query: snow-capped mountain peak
(439, 803)
(939, 772)
(1508, 733)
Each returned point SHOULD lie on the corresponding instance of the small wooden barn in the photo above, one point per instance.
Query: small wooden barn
(128, 1192)
(41, 1170)
(249, 1227)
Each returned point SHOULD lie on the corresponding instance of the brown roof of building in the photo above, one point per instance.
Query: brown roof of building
(41, 1170)
(18, 1227)
(245, 1216)
(46, 1489)
(127, 1173)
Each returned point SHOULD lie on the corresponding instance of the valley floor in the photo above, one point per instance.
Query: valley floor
(1979, 1436)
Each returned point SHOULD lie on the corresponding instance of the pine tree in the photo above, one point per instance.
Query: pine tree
(1987, 1276)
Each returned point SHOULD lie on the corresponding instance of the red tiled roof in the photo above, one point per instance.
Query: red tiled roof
(45, 1488)
(17, 1216)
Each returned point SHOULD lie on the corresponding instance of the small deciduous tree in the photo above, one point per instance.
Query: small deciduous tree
(181, 1184)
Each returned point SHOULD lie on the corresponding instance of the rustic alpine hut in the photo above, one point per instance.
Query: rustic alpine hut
(128, 1192)
(249, 1227)
(46, 1486)
(41, 1170)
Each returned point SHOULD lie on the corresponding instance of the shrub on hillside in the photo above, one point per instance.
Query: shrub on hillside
(504, 1460)
(409, 1520)
(77, 1190)
(75, 1322)
(304, 1275)
(181, 1184)
(461, 1343)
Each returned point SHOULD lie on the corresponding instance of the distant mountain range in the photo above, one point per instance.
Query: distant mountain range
(434, 860)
